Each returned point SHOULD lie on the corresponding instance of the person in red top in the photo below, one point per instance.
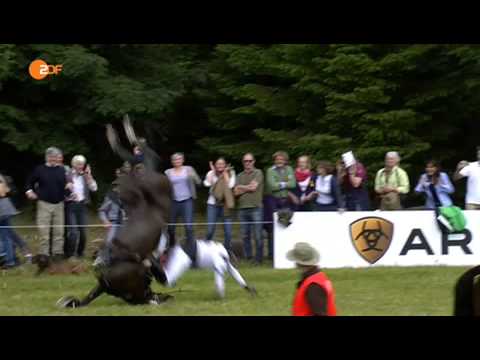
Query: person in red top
(353, 182)
(303, 177)
(315, 295)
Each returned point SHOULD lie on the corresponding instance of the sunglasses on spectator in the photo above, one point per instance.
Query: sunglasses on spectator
(247, 161)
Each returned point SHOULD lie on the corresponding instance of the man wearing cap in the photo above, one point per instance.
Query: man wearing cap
(315, 295)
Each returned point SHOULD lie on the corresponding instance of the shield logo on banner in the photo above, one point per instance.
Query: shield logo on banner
(371, 237)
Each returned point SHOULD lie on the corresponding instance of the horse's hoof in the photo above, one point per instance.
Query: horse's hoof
(68, 302)
(147, 263)
(158, 299)
(252, 290)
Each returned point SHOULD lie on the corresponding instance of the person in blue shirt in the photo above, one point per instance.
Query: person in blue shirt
(436, 186)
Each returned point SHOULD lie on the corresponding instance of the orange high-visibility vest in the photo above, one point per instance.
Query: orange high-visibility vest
(300, 304)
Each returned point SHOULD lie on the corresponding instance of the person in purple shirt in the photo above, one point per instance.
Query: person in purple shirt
(436, 186)
(353, 182)
(184, 180)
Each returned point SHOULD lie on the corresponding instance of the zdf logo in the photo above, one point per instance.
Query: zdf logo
(39, 69)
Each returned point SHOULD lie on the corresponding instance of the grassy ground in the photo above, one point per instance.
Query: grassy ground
(374, 291)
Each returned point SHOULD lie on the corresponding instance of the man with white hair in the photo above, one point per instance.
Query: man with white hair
(83, 184)
(48, 184)
(391, 182)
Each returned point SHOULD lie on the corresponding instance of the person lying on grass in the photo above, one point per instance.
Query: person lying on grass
(210, 255)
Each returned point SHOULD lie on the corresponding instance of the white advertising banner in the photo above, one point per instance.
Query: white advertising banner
(378, 238)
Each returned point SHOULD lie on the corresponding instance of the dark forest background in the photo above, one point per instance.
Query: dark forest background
(212, 100)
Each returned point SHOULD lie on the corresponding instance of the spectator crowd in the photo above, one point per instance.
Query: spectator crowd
(62, 194)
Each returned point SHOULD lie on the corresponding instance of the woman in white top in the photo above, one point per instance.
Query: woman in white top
(216, 211)
(326, 191)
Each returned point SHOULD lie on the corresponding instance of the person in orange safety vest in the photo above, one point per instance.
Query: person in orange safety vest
(315, 295)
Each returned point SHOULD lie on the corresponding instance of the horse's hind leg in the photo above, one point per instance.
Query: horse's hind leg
(158, 298)
(92, 295)
(72, 302)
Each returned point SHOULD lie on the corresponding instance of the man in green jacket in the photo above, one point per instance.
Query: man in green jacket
(391, 182)
(279, 180)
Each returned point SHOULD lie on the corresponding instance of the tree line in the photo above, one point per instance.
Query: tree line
(210, 100)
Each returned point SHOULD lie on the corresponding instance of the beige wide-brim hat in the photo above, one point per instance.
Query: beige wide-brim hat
(304, 254)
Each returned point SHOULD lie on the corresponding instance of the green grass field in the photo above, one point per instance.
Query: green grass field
(374, 291)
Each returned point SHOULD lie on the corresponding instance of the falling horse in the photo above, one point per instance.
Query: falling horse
(129, 267)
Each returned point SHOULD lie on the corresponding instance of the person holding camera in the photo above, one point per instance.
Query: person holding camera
(436, 186)
(82, 184)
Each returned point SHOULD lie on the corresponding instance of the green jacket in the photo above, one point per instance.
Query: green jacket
(273, 182)
(397, 179)
(455, 217)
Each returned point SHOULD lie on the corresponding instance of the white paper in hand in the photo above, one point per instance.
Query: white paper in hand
(348, 159)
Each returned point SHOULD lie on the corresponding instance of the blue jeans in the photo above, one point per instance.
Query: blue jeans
(77, 215)
(357, 201)
(104, 255)
(252, 215)
(17, 239)
(183, 209)
(6, 237)
(112, 231)
(325, 207)
(216, 214)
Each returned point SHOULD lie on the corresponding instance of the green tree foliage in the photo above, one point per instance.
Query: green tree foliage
(207, 100)
(98, 84)
(326, 99)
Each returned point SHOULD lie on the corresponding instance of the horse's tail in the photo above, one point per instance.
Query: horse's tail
(464, 293)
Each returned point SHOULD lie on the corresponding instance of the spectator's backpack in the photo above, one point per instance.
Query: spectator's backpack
(452, 218)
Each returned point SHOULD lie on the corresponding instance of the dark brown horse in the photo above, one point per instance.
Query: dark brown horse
(467, 293)
(130, 267)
